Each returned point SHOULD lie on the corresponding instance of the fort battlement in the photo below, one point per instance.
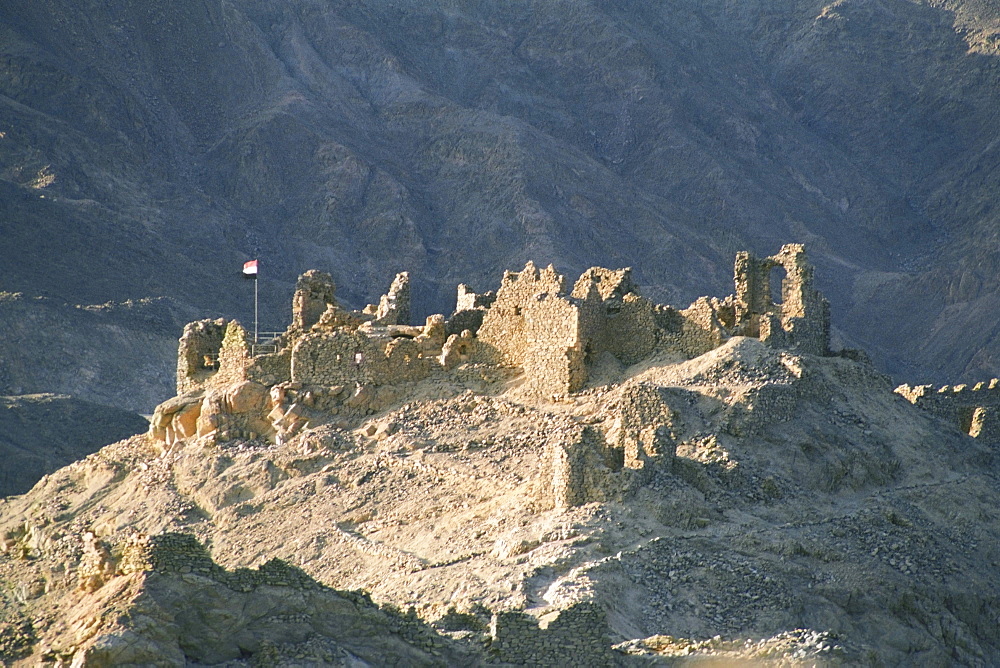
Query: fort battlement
(334, 365)
(975, 409)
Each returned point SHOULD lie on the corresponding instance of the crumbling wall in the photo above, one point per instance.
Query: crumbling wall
(234, 356)
(502, 334)
(554, 361)
(629, 328)
(701, 329)
(553, 344)
(760, 409)
(345, 357)
(578, 636)
(470, 309)
(642, 427)
(198, 353)
(271, 368)
(335, 317)
(337, 358)
(800, 322)
(212, 354)
(394, 306)
(581, 468)
(610, 283)
(467, 299)
(458, 349)
(973, 409)
(313, 292)
(614, 317)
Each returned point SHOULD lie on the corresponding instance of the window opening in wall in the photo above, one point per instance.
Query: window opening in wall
(776, 280)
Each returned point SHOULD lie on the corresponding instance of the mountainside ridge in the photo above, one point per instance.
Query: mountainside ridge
(173, 143)
(714, 485)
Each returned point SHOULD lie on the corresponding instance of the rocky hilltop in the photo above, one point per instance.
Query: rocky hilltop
(523, 491)
(150, 150)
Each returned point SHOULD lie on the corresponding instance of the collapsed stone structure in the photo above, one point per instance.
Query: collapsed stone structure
(973, 409)
(333, 365)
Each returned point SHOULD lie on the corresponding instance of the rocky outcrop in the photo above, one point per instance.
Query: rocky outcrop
(173, 605)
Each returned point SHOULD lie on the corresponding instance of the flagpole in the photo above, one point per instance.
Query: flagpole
(255, 339)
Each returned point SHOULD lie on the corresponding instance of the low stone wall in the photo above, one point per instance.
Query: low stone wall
(343, 357)
(642, 424)
(582, 469)
(271, 368)
(700, 329)
(182, 553)
(974, 409)
(577, 637)
(759, 411)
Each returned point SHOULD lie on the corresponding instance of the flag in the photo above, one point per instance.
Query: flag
(250, 269)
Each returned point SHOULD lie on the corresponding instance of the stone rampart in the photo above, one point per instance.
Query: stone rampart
(974, 409)
(532, 323)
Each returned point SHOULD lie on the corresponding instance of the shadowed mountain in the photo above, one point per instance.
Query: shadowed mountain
(148, 151)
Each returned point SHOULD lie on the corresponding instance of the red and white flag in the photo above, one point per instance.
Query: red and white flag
(250, 269)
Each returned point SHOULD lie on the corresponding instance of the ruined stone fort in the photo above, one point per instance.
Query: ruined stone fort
(337, 366)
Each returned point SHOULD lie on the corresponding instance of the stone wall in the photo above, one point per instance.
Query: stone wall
(973, 409)
(535, 325)
(470, 309)
(336, 358)
(345, 357)
(575, 466)
(503, 330)
(763, 405)
(800, 322)
(613, 317)
(394, 306)
(554, 361)
(577, 637)
(642, 427)
(198, 353)
(701, 329)
(271, 368)
(610, 283)
(234, 356)
(313, 292)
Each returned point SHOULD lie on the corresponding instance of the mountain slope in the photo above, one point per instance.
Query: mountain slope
(41, 433)
(149, 151)
(804, 494)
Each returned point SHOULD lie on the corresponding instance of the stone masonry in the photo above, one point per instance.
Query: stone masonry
(334, 365)
(578, 636)
(974, 409)
(801, 321)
